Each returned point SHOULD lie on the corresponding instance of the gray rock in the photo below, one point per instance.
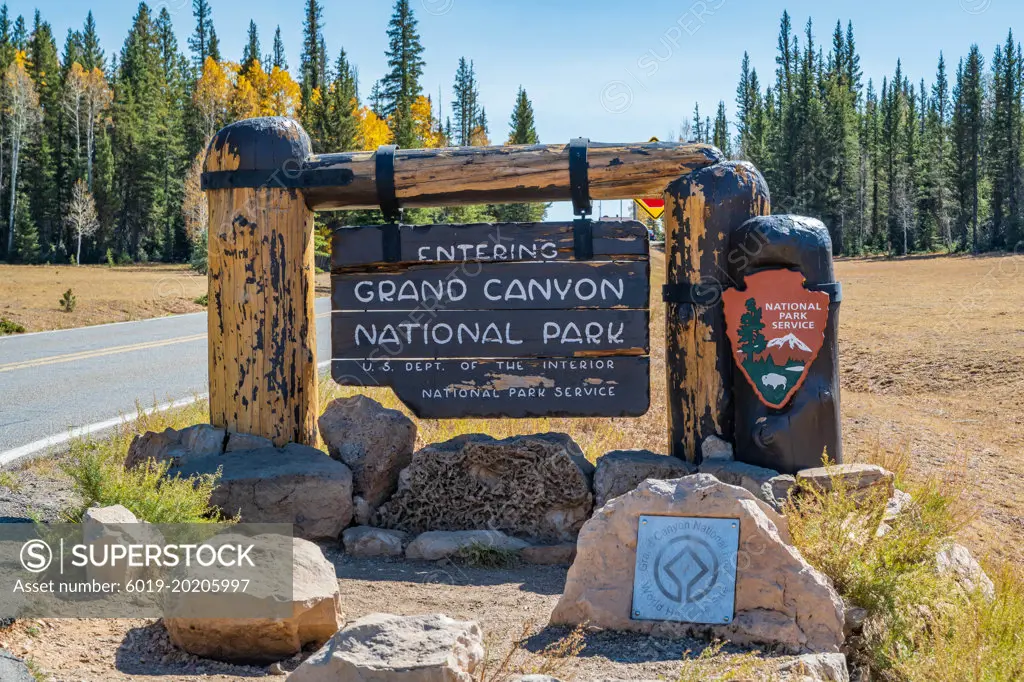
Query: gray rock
(853, 620)
(856, 479)
(549, 555)
(531, 486)
(896, 505)
(775, 491)
(830, 667)
(246, 441)
(294, 484)
(747, 476)
(714, 448)
(175, 446)
(374, 442)
(781, 600)
(439, 544)
(364, 541)
(620, 471)
(316, 611)
(957, 562)
(387, 648)
(362, 512)
(13, 669)
(116, 525)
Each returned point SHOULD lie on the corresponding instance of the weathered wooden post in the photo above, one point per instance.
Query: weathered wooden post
(262, 326)
(701, 210)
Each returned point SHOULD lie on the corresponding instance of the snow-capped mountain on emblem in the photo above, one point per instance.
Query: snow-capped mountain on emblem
(776, 328)
(791, 341)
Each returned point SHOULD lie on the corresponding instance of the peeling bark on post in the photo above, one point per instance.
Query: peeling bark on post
(262, 325)
(701, 209)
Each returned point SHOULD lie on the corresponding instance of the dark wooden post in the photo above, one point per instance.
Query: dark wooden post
(701, 209)
(262, 326)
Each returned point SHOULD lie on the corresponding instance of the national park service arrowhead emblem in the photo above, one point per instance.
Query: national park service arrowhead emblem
(776, 327)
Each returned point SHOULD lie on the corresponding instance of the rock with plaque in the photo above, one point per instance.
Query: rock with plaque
(495, 320)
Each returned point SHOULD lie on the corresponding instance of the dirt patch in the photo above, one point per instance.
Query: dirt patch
(29, 294)
(507, 603)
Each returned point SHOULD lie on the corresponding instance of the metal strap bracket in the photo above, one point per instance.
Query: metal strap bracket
(385, 175)
(579, 185)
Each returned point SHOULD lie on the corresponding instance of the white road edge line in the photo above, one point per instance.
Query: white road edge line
(17, 454)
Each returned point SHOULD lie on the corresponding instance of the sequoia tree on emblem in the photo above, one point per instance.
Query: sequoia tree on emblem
(776, 327)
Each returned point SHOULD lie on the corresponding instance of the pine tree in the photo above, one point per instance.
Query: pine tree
(522, 130)
(313, 58)
(92, 54)
(1003, 153)
(279, 59)
(344, 107)
(45, 151)
(401, 85)
(968, 125)
(750, 336)
(26, 241)
(200, 42)
(214, 45)
(720, 137)
(251, 55)
(466, 103)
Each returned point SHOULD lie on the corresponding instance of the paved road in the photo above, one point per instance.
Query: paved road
(52, 382)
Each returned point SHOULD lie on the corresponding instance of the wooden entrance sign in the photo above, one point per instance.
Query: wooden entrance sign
(495, 320)
(263, 184)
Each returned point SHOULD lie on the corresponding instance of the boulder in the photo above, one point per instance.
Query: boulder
(246, 441)
(815, 668)
(439, 544)
(748, 476)
(533, 486)
(549, 555)
(957, 562)
(385, 648)
(364, 541)
(715, 448)
(116, 525)
(620, 471)
(856, 479)
(315, 612)
(780, 600)
(175, 446)
(374, 442)
(294, 484)
(775, 491)
(13, 669)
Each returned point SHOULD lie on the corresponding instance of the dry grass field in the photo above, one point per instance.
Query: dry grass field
(29, 294)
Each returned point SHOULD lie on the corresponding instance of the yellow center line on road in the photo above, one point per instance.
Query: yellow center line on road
(101, 352)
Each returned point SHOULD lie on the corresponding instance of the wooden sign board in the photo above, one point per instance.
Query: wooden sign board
(495, 320)
(776, 327)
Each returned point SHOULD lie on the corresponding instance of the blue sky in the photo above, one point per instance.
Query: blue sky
(610, 70)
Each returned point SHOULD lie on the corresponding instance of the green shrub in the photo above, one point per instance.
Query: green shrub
(921, 625)
(202, 300)
(481, 555)
(9, 327)
(68, 301)
(198, 259)
(110, 258)
(96, 469)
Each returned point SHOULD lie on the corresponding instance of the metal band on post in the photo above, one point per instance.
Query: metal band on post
(579, 186)
(385, 176)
